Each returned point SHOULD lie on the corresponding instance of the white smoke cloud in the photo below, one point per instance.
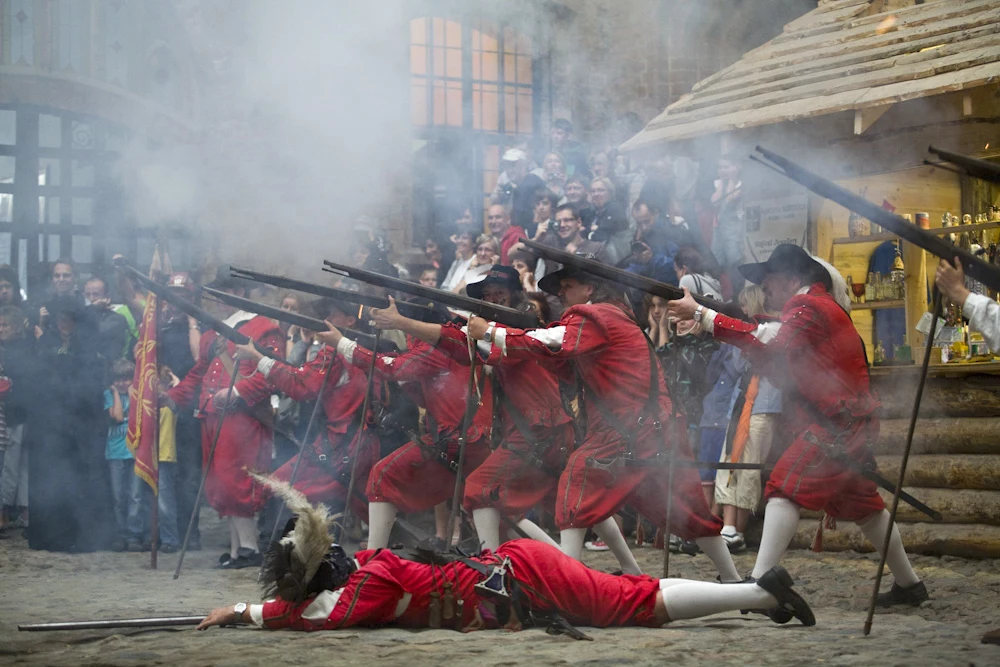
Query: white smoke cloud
(310, 132)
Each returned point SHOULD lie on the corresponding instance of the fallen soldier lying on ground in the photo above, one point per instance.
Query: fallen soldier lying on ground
(316, 586)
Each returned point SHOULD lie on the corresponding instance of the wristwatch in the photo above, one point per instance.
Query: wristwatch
(238, 609)
(488, 336)
(697, 313)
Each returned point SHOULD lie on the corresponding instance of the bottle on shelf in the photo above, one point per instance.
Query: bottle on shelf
(870, 288)
(897, 276)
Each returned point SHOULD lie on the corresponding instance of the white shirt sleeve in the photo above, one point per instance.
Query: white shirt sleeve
(984, 316)
(257, 615)
(551, 337)
(265, 365)
(346, 348)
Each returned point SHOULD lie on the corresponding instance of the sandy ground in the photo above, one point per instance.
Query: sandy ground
(39, 586)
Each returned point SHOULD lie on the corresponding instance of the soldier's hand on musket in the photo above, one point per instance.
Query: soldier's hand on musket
(331, 337)
(951, 281)
(248, 351)
(386, 318)
(478, 327)
(682, 309)
(222, 616)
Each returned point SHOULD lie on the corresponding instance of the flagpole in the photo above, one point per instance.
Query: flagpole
(154, 512)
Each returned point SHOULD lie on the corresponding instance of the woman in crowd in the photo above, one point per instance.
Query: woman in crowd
(464, 253)
(610, 225)
(691, 273)
(487, 254)
(738, 492)
(554, 168)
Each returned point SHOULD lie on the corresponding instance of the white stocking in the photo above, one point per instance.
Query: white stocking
(611, 534)
(534, 531)
(246, 531)
(487, 523)
(781, 518)
(691, 599)
(715, 548)
(381, 517)
(234, 538)
(571, 541)
(874, 528)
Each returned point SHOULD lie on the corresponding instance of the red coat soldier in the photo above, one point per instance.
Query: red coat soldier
(245, 441)
(318, 587)
(817, 357)
(325, 471)
(421, 474)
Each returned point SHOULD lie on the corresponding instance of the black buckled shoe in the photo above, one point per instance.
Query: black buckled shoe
(778, 583)
(897, 595)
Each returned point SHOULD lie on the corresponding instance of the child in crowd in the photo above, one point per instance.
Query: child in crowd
(126, 487)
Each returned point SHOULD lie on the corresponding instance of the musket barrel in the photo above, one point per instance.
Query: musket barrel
(155, 622)
(983, 169)
(490, 311)
(624, 278)
(975, 267)
(411, 310)
(310, 323)
(185, 306)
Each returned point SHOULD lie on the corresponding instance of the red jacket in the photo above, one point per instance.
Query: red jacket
(343, 397)
(508, 240)
(209, 375)
(817, 358)
(443, 384)
(530, 386)
(610, 352)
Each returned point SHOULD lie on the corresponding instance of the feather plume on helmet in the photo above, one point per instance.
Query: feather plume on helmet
(305, 560)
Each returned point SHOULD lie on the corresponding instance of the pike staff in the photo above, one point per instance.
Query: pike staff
(935, 313)
(361, 435)
(471, 403)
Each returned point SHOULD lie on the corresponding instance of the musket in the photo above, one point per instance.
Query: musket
(489, 311)
(982, 169)
(288, 317)
(411, 310)
(185, 306)
(975, 267)
(154, 622)
(626, 279)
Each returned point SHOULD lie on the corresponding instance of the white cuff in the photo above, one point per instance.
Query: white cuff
(236, 392)
(984, 316)
(257, 615)
(708, 320)
(265, 365)
(500, 340)
(346, 348)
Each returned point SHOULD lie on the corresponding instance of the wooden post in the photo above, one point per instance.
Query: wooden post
(915, 261)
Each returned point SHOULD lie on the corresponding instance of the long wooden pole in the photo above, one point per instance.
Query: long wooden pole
(928, 346)
(204, 473)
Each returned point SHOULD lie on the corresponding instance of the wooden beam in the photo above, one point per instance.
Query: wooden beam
(866, 117)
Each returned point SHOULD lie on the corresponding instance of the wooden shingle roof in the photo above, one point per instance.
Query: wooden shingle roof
(841, 57)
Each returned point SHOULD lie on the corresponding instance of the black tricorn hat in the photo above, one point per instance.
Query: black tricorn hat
(788, 258)
(504, 276)
(550, 284)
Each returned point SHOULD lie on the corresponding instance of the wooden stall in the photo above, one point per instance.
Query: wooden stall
(856, 90)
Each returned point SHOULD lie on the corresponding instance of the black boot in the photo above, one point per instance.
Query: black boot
(911, 595)
(778, 583)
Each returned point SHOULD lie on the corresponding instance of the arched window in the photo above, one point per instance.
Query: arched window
(472, 85)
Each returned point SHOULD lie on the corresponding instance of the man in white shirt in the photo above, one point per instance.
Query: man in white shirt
(982, 311)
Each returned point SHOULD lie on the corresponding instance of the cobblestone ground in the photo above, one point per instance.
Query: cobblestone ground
(38, 586)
